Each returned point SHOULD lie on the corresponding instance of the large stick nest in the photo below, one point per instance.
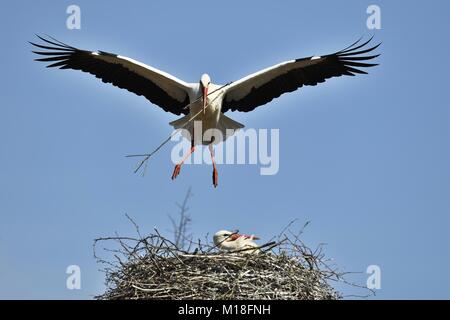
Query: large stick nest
(152, 267)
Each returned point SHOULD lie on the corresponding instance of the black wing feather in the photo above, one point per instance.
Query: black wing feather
(67, 57)
(344, 62)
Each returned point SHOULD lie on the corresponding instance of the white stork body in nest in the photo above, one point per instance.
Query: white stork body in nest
(207, 101)
(235, 242)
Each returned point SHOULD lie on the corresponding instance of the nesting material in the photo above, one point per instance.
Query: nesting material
(153, 267)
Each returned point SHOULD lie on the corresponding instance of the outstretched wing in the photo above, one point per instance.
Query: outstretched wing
(261, 87)
(161, 88)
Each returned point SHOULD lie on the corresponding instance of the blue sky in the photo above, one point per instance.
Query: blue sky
(365, 159)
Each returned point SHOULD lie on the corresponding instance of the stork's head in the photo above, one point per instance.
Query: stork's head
(224, 237)
(205, 80)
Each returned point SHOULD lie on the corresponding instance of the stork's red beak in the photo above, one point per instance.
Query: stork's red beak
(250, 237)
(236, 236)
(205, 98)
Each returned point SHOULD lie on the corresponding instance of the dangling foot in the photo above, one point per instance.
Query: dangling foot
(176, 171)
(215, 177)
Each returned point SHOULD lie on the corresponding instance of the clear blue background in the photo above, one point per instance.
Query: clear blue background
(366, 159)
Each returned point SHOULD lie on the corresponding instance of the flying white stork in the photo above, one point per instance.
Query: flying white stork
(204, 101)
(232, 242)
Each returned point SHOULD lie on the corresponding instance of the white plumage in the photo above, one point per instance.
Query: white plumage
(235, 242)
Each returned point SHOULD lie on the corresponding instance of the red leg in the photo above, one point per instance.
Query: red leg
(177, 169)
(215, 175)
